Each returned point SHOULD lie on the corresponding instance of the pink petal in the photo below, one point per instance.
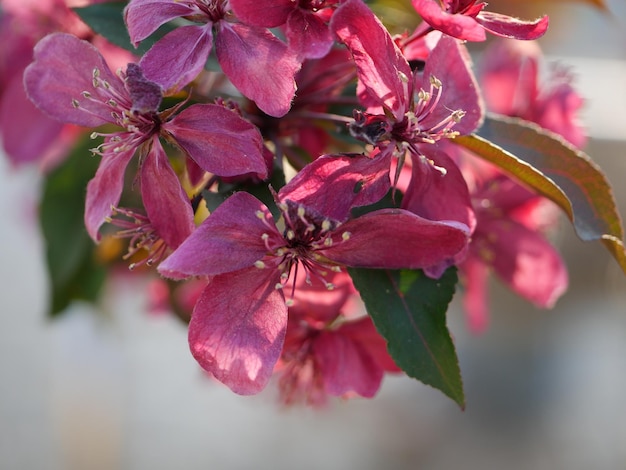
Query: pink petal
(308, 34)
(381, 67)
(238, 328)
(218, 140)
(526, 262)
(333, 185)
(143, 17)
(62, 69)
(475, 276)
(228, 240)
(266, 14)
(259, 65)
(345, 366)
(166, 204)
(438, 193)
(177, 58)
(514, 28)
(450, 63)
(453, 24)
(105, 189)
(396, 239)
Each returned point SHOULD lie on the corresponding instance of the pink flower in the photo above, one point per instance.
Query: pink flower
(510, 79)
(466, 19)
(239, 323)
(70, 81)
(507, 241)
(258, 64)
(328, 351)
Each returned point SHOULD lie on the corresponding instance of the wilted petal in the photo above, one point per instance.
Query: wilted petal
(105, 189)
(166, 204)
(238, 328)
(143, 17)
(396, 239)
(62, 69)
(514, 28)
(381, 67)
(228, 240)
(259, 65)
(218, 140)
(177, 58)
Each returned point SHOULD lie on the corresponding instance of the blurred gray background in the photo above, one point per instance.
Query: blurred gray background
(119, 390)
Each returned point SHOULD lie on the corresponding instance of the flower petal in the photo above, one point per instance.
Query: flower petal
(166, 204)
(218, 140)
(143, 17)
(396, 239)
(105, 189)
(259, 65)
(308, 34)
(178, 57)
(514, 28)
(267, 14)
(453, 24)
(381, 67)
(238, 328)
(228, 240)
(61, 71)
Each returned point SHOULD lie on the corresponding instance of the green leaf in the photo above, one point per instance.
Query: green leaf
(409, 311)
(545, 162)
(70, 253)
(107, 19)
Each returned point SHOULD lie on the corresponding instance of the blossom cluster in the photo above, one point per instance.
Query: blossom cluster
(278, 144)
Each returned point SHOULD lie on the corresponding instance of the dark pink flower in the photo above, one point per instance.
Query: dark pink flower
(328, 350)
(507, 241)
(409, 112)
(510, 79)
(258, 64)
(70, 81)
(238, 325)
(467, 19)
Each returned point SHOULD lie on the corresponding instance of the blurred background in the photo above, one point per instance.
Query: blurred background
(118, 389)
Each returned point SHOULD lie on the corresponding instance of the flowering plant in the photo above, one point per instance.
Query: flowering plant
(293, 157)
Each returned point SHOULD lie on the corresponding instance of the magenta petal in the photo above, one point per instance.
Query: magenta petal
(218, 140)
(475, 299)
(177, 58)
(166, 204)
(228, 240)
(508, 27)
(308, 34)
(105, 189)
(397, 239)
(266, 14)
(453, 24)
(238, 328)
(332, 185)
(346, 366)
(26, 133)
(450, 63)
(143, 17)
(259, 65)
(526, 262)
(381, 67)
(62, 69)
(438, 193)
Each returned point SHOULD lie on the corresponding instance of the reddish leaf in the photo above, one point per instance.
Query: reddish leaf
(557, 170)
